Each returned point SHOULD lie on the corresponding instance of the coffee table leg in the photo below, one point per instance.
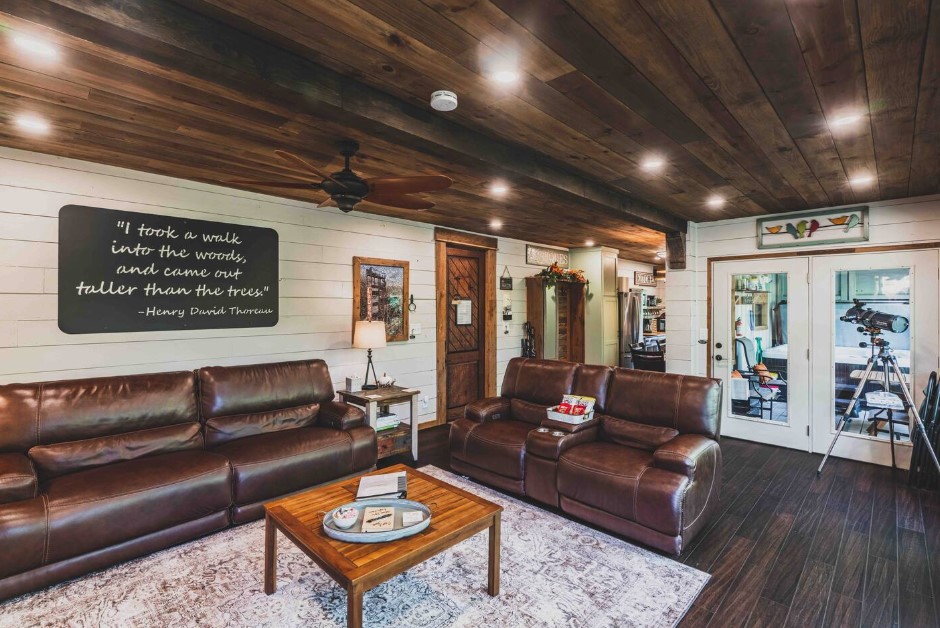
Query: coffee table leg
(353, 607)
(493, 579)
(270, 556)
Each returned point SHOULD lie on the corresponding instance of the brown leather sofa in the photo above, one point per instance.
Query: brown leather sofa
(648, 466)
(98, 471)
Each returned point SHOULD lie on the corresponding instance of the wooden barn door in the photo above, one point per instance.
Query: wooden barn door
(465, 341)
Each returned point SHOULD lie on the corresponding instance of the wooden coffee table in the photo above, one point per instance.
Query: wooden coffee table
(456, 515)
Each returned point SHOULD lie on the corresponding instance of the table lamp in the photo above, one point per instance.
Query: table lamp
(369, 335)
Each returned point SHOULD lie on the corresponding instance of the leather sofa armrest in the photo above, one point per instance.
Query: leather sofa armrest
(340, 416)
(683, 453)
(549, 445)
(18, 479)
(489, 409)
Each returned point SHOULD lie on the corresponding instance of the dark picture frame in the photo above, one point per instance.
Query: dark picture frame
(380, 292)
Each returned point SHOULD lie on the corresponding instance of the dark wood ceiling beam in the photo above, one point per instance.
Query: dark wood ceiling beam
(925, 170)
(828, 33)
(892, 41)
(763, 32)
(203, 48)
(727, 148)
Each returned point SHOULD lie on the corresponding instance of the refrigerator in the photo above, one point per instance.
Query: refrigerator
(631, 304)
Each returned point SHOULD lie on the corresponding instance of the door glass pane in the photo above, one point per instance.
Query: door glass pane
(887, 291)
(758, 385)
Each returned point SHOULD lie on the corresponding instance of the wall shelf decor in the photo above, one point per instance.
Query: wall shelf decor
(831, 226)
(379, 289)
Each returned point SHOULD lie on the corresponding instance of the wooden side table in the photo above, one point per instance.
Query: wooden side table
(392, 441)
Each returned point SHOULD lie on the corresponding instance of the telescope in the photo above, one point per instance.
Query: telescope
(870, 319)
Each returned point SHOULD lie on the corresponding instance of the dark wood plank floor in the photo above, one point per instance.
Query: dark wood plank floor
(855, 547)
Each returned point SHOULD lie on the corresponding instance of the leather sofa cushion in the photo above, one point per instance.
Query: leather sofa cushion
(538, 381)
(17, 480)
(62, 458)
(624, 432)
(19, 405)
(225, 428)
(528, 412)
(89, 408)
(228, 390)
(591, 381)
(22, 536)
(603, 475)
(684, 403)
(273, 464)
(104, 506)
(499, 446)
(622, 481)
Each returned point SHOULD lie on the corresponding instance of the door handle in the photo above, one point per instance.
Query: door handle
(718, 358)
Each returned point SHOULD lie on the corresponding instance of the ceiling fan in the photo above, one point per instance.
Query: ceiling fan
(346, 189)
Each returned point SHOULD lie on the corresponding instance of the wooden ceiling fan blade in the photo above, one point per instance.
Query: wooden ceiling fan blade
(302, 163)
(405, 202)
(292, 185)
(393, 186)
(328, 203)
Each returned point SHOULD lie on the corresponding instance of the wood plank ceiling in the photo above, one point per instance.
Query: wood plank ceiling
(768, 105)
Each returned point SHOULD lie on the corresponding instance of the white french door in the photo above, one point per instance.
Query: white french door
(760, 344)
(903, 283)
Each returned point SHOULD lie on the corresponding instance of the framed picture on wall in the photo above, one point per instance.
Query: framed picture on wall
(830, 226)
(644, 279)
(380, 293)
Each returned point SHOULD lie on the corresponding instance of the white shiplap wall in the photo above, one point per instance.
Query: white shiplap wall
(316, 251)
(894, 222)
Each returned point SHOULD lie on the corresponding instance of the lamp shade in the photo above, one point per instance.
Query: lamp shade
(369, 335)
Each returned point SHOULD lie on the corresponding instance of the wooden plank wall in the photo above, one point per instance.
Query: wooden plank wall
(316, 251)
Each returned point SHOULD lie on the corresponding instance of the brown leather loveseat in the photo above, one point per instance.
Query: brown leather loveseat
(98, 471)
(648, 466)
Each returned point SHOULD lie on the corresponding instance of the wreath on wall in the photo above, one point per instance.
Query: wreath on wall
(555, 273)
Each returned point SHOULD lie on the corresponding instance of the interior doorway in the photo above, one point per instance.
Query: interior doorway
(790, 364)
(466, 321)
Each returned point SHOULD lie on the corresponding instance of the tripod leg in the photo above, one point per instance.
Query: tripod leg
(917, 421)
(848, 411)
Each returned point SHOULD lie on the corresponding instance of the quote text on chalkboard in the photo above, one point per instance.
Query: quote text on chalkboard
(127, 271)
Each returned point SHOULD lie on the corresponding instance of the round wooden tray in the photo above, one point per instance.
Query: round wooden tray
(354, 534)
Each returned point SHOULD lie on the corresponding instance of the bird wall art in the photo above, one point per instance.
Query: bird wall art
(847, 225)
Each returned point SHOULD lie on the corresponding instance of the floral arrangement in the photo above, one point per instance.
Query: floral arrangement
(555, 273)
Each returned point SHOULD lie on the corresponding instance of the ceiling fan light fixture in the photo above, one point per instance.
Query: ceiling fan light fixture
(443, 100)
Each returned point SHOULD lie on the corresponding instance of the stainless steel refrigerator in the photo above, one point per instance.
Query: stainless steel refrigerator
(631, 302)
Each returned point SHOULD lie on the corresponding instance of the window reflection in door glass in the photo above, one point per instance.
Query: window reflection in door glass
(884, 290)
(758, 385)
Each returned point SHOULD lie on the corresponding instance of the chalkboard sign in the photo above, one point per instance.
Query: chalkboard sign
(127, 271)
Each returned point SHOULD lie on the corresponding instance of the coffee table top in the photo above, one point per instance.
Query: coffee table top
(455, 515)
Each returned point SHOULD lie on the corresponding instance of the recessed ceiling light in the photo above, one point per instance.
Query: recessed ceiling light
(496, 223)
(661, 254)
(845, 120)
(32, 124)
(861, 180)
(35, 46)
(653, 164)
(589, 243)
(505, 76)
(498, 188)
(715, 202)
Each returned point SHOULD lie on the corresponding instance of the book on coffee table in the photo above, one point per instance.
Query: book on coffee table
(385, 485)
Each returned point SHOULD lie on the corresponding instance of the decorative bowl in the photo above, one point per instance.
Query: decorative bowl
(345, 517)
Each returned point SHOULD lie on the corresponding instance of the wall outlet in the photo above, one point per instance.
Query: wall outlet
(424, 402)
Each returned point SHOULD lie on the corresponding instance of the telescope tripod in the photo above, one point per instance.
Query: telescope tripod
(889, 363)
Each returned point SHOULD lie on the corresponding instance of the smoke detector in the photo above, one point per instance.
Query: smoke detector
(443, 100)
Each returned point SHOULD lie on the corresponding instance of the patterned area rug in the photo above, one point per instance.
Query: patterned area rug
(555, 572)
